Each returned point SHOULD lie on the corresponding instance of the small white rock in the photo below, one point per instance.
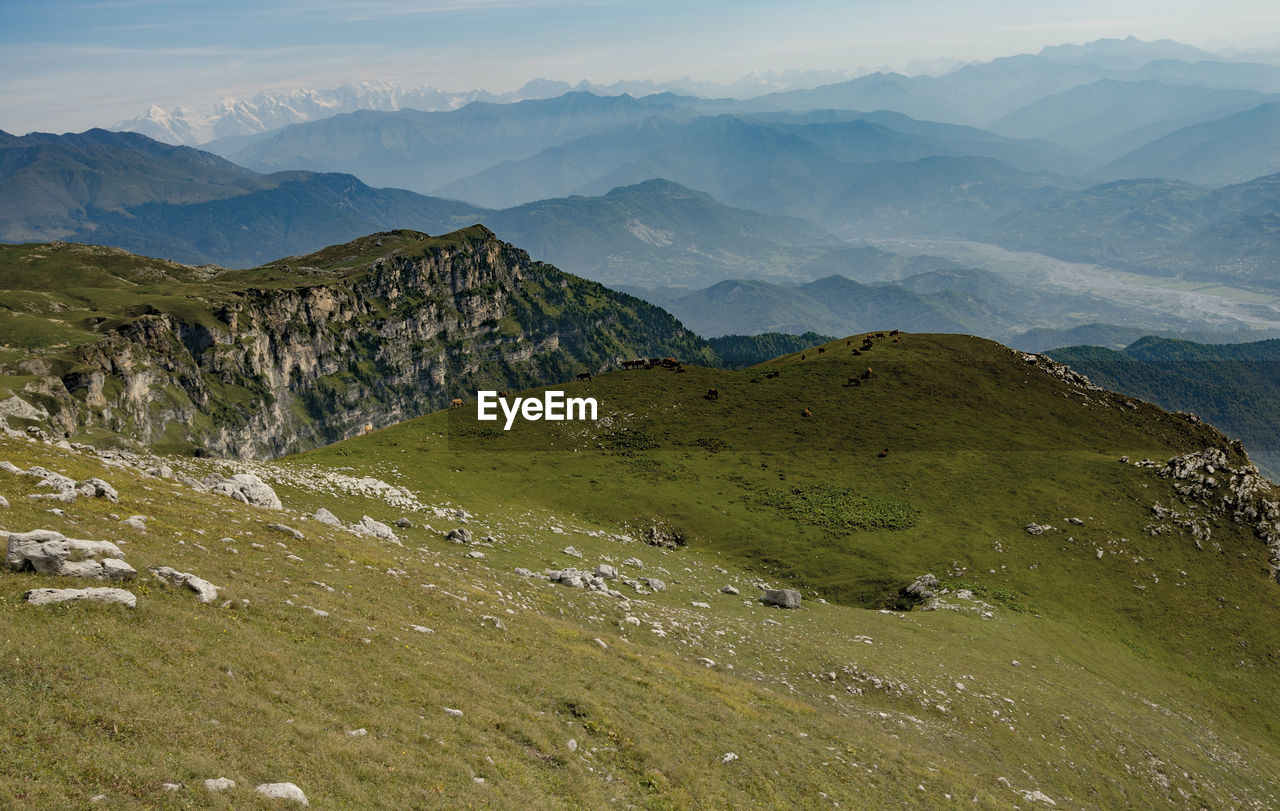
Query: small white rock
(219, 784)
(283, 791)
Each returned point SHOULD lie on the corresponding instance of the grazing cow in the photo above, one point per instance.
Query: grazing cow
(821, 350)
(368, 428)
(882, 454)
(806, 413)
(853, 381)
(456, 402)
(801, 356)
(848, 342)
(502, 395)
(857, 352)
(867, 374)
(879, 334)
(893, 332)
(712, 394)
(670, 363)
(772, 374)
(584, 376)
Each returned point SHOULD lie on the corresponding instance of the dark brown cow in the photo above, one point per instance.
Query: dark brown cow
(882, 454)
(821, 350)
(801, 356)
(584, 376)
(806, 413)
(853, 381)
(772, 374)
(893, 332)
(867, 374)
(712, 394)
(857, 352)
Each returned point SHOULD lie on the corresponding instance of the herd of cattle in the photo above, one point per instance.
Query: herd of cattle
(868, 343)
(651, 363)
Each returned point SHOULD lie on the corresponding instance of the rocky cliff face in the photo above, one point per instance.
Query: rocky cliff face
(309, 350)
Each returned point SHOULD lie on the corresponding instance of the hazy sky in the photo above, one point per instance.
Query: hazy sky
(73, 64)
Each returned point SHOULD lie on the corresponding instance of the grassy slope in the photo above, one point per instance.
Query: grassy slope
(1120, 696)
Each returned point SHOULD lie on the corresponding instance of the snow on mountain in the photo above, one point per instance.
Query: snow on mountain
(270, 110)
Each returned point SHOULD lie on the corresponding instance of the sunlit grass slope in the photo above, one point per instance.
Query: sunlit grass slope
(1146, 676)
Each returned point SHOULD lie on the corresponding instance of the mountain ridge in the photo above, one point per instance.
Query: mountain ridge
(307, 349)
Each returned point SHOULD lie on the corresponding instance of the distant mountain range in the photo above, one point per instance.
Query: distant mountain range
(1161, 227)
(421, 151)
(816, 169)
(1232, 149)
(1111, 117)
(660, 233)
(125, 190)
(1154, 158)
(128, 191)
(232, 118)
(947, 298)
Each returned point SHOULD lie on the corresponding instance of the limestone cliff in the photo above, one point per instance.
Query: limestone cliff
(308, 350)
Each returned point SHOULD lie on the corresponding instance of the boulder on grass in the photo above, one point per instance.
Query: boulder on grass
(783, 598)
(100, 595)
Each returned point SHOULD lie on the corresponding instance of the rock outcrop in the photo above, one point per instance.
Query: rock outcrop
(1238, 492)
(379, 530)
(47, 552)
(205, 591)
(1061, 371)
(248, 488)
(105, 596)
(373, 332)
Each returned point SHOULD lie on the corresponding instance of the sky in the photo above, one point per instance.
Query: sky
(67, 65)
